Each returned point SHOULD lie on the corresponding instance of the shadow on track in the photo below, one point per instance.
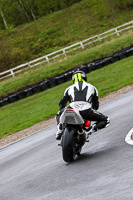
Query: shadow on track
(93, 155)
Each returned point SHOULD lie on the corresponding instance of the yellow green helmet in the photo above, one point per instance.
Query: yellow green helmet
(79, 76)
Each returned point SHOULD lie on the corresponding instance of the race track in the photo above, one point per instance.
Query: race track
(33, 169)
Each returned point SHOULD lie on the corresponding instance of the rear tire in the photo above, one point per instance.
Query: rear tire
(68, 144)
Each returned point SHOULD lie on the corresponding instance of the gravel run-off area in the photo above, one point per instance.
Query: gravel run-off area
(37, 127)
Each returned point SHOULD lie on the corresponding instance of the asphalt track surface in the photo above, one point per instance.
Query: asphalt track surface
(33, 169)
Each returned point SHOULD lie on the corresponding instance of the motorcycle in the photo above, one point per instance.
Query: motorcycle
(75, 134)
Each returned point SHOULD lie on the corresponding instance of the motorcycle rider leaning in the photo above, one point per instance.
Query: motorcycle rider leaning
(81, 91)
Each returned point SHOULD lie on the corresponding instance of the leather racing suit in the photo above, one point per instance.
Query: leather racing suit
(85, 96)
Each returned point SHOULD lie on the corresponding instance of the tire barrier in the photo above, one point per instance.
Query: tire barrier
(36, 88)
(12, 98)
(21, 94)
(52, 82)
(60, 79)
(44, 85)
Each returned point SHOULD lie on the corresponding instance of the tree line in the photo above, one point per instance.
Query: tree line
(16, 12)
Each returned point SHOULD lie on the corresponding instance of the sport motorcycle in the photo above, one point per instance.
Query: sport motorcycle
(75, 133)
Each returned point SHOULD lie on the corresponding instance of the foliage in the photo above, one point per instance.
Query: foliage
(46, 34)
(17, 12)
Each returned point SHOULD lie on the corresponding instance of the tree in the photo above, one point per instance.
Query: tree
(3, 18)
(17, 12)
(24, 10)
(29, 5)
(2, 14)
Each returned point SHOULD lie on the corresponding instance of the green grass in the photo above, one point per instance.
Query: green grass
(60, 29)
(24, 113)
(43, 72)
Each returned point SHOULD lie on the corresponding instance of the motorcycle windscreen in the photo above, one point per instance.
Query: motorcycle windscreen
(71, 117)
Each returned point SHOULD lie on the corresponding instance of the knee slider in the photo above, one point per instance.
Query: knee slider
(107, 121)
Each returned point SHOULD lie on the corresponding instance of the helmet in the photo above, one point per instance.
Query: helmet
(79, 76)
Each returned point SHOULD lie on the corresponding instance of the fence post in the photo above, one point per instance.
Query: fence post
(64, 52)
(99, 38)
(82, 46)
(12, 73)
(47, 59)
(117, 33)
(29, 65)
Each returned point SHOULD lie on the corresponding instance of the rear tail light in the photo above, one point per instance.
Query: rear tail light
(68, 109)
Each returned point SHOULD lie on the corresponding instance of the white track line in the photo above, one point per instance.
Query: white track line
(128, 138)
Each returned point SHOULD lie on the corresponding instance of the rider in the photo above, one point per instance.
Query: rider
(81, 91)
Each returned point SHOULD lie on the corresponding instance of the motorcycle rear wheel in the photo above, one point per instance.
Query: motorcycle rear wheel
(68, 145)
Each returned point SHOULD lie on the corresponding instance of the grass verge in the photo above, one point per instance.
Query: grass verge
(43, 72)
(24, 113)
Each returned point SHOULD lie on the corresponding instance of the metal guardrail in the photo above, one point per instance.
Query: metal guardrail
(63, 52)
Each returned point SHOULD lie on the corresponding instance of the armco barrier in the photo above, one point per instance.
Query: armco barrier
(45, 84)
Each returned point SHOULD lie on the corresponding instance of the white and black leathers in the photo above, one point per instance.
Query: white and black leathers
(81, 91)
(85, 96)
